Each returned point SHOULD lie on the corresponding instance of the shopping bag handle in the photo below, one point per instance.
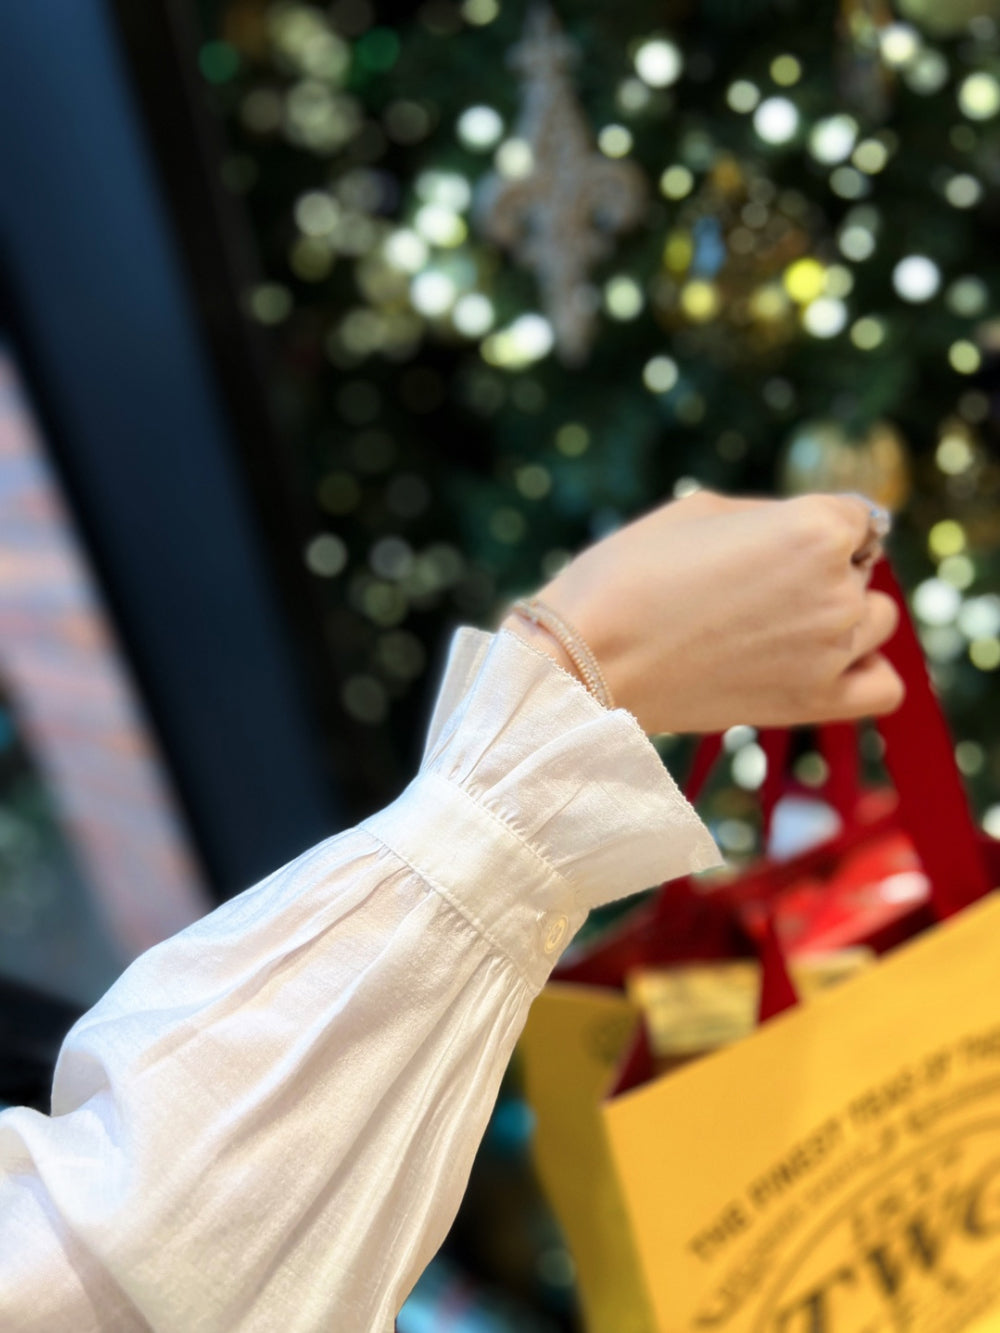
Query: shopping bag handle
(837, 743)
(777, 989)
(920, 758)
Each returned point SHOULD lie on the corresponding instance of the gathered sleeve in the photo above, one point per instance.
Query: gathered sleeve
(269, 1120)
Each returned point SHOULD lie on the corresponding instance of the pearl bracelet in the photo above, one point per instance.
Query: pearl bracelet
(572, 645)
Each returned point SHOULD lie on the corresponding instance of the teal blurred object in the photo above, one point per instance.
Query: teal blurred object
(446, 1301)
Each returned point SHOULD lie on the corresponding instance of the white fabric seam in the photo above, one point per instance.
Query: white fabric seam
(457, 907)
(545, 865)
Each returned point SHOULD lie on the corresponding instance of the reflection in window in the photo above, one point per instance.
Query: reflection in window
(95, 864)
(50, 935)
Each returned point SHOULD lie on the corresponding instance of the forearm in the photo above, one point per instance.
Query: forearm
(273, 1116)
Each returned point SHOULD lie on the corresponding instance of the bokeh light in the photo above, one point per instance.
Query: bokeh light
(916, 278)
(623, 297)
(979, 96)
(615, 140)
(825, 318)
(776, 120)
(786, 70)
(433, 293)
(967, 296)
(899, 44)
(868, 333)
(473, 314)
(677, 182)
(832, 139)
(480, 127)
(660, 374)
(743, 96)
(659, 62)
(963, 191)
(964, 357)
(514, 159)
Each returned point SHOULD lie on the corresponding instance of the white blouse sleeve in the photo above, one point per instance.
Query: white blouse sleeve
(268, 1122)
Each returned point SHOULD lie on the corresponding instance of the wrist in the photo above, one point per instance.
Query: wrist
(541, 640)
(564, 645)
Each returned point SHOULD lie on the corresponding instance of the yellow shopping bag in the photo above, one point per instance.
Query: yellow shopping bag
(570, 1051)
(839, 1170)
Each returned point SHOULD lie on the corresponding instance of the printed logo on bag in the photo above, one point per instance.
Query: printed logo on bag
(883, 1218)
(915, 1249)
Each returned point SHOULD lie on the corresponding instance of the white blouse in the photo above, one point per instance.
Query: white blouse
(269, 1120)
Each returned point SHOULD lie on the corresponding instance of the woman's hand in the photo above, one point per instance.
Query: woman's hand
(711, 611)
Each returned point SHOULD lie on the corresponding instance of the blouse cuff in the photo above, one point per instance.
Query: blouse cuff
(534, 804)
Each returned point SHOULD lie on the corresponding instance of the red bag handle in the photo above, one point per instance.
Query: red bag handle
(838, 744)
(920, 757)
(777, 990)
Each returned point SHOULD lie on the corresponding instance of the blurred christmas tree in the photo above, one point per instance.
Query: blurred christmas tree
(527, 274)
(526, 279)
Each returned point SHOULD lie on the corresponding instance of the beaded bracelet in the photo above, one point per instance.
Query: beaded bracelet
(571, 643)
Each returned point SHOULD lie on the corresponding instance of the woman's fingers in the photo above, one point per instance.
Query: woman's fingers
(859, 513)
(877, 626)
(870, 688)
(849, 527)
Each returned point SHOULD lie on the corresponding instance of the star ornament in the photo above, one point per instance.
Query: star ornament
(559, 203)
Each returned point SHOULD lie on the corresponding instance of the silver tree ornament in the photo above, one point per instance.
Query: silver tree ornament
(559, 213)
